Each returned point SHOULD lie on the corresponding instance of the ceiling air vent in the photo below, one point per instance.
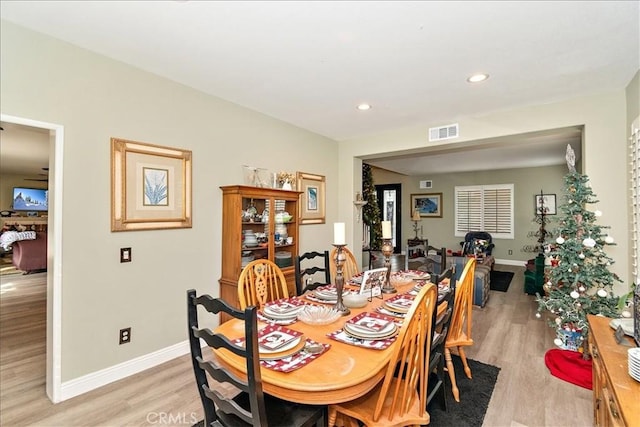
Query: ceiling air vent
(426, 184)
(443, 132)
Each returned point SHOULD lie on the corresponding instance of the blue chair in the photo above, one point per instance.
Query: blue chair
(471, 246)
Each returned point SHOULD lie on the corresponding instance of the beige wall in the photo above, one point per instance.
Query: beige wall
(527, 183)
(633, 99)
(604, 153)
(96, 98)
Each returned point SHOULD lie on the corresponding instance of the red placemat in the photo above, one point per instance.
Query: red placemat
(296, 361)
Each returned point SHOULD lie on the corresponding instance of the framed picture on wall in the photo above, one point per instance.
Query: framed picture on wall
(546, 203)
(150, 186)
(312, 199)
(429, 205)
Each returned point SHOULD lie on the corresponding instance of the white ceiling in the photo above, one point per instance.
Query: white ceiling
(309, 63)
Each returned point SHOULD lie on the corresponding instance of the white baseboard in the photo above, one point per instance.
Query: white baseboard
(122, 370)
(511, 262)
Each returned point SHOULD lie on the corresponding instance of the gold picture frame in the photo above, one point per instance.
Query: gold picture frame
(150, 186)
(312, 199)
(429, 205)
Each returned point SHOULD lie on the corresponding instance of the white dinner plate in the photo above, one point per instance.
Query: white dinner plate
(285, 347)
(357, 334)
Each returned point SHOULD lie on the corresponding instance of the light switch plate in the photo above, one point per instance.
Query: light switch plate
(125, 254)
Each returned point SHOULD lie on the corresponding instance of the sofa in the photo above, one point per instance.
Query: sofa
(30, 256)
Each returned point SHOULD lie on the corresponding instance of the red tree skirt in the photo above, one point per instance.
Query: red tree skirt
(569, 366)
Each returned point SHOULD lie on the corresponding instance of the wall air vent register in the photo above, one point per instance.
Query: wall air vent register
(443, 132)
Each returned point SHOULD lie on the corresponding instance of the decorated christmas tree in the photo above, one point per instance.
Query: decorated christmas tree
(371, 211)
(580, 281)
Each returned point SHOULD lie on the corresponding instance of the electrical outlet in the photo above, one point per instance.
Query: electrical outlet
(125, 335)
(510, 252)
(125, 254)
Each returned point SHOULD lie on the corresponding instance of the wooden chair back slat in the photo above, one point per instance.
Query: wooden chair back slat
(261, 281)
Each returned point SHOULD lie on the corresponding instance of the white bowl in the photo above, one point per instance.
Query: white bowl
(355, 300)
(318, 315)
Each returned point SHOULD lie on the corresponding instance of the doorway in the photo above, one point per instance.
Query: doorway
(54, 251)
(390, 203)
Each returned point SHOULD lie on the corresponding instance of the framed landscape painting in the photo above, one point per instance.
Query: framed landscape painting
(429, 205)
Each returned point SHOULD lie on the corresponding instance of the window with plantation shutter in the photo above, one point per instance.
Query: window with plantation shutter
(485, 208)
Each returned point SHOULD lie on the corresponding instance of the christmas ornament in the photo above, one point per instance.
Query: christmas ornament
(558, 320)
(597, 213)
(626, 313)
(538, 315)
(582, 288)
(581, 255)
(574, 294)
(558, 342)
(602, 293)
(608, 239)
(589, 242)
(560, 240)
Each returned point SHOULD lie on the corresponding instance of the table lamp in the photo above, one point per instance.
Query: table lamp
(415, 218)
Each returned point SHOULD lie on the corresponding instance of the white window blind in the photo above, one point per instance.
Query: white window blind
(485, 208)
(634, 170)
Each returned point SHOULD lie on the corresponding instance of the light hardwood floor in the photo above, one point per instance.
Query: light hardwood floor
(505, 331)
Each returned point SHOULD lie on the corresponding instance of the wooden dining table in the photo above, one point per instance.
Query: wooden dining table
(343, 373)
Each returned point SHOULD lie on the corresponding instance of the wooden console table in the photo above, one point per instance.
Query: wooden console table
(616, 395)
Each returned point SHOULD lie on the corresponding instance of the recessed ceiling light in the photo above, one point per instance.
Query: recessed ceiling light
(364, 107)
(477, 78)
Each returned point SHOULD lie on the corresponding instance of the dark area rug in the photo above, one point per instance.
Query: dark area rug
(500, 280)
(475, 395)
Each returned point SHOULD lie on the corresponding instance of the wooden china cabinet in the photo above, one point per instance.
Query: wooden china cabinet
(257, 216)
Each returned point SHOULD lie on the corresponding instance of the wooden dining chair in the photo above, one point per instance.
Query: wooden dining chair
(307, 266)
(459, 335)
(449, 273)
(436, 259)
(251, 406)
(442, 323)
(400, 399)
(350, 267)
(261, 281)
